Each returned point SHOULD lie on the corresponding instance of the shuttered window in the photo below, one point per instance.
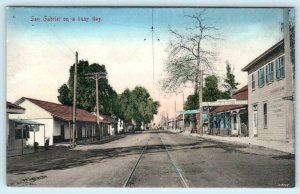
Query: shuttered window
(261, 76)
(279, 68)
(270, 73)
(253, 81)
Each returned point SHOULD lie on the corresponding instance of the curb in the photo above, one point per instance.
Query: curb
(287, 150)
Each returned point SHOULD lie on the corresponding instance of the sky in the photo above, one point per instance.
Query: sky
(40, 53)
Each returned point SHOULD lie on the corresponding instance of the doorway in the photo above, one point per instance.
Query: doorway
(255, 120)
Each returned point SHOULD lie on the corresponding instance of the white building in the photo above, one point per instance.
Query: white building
(57, 119)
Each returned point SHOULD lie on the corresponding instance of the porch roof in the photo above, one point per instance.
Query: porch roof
(27, 122)
(226, 108)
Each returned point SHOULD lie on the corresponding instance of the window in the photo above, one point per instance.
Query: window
(83, 132)
(269, 73)
(265, 115)
(253, 81)
(279, 68)
(261, 80)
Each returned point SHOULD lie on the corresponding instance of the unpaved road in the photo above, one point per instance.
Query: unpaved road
(191, 160)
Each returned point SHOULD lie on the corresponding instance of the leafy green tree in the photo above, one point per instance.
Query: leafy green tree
(211, 91)
(86, 94)
(144, 108)
(230, 83)
(64, 95)
(137, 105)
(126, 105)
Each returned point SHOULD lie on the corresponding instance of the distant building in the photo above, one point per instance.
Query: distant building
(231, 118)
(269, 104)
(112, 125)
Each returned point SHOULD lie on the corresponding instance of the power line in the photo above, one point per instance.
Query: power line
(58, 49)
(152, 42)
(44, 40)
(50, 28)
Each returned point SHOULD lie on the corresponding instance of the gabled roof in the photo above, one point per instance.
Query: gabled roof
(61, 111)
(14, 109)
(276, 46)
(241, 94)
(13, 106)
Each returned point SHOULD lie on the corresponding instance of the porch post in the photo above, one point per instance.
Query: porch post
(238, 120)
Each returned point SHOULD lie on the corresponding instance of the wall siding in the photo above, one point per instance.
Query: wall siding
(271, 94)
(39, 115)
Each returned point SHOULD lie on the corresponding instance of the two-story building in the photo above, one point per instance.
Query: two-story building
(269, 103)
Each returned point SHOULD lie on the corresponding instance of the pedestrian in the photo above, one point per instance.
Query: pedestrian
(47, 143)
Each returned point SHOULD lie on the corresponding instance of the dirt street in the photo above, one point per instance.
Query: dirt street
(168, 160)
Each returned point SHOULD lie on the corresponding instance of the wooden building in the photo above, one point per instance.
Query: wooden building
(57, 119)
(269, 103)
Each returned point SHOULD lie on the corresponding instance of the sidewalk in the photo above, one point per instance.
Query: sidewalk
(283, 146)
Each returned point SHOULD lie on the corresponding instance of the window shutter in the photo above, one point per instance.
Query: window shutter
(277, 68)
(263, 76)
(282, 67)
(258, 77)
(272, 71)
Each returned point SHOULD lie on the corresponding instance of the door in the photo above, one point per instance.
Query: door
(255, 120)
(62, 132)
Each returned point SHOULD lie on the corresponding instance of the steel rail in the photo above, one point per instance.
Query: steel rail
(137, 162)
(174, 163)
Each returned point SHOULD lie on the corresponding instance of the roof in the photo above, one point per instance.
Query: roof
(14, 109)
(107, 119)
(241, 94)
(13, 106)
(263, 55)
(27, 122)
(228, 108)
(179, 117)
(61, 111)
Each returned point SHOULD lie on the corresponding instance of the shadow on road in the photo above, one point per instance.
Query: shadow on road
(64, 158)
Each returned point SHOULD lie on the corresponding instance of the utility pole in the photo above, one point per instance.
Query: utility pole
(167, 119)
(74, 101)
(289, 78)
(200, 127)
(183, 126)
(175, 117)
(96, 76)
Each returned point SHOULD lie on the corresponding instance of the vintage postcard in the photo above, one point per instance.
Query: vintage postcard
(190, 97)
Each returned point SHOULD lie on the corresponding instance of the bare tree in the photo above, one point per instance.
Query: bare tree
(189, 56)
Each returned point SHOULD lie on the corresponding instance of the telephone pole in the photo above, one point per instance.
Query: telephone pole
(183, 127)
(200, 127)
(175, 117)
(74, 101)
(96, 76)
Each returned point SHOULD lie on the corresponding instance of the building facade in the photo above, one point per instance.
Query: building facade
(231, 119)
(12, 143)
(269, 102)
(57, 119)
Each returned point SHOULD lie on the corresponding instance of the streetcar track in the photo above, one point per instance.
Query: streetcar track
(137, 162)
(173, 161)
